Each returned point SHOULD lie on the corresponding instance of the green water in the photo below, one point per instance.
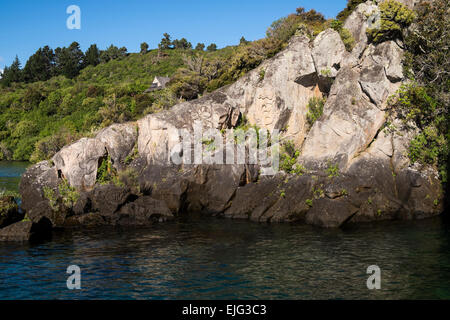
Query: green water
(10, 173)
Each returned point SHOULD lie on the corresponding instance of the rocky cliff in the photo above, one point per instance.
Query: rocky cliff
(356, 168)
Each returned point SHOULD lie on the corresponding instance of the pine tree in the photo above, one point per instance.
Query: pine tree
(69, 60)
(92, 56)
(243, 41)
(144, 47)
(212, 47)
(200, 47)
(40, 66)
(165, 43)
(12, 73)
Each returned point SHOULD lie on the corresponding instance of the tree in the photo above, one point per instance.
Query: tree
(12, 73)
(300, 11)
(92, 56)
(112, 53)
(40, 66)
(69, 60)
(212, 47)
(243, 41)
(144, 47)
(182, 44)
(165, 43)
(200, 47)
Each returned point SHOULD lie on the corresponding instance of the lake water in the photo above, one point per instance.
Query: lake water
(10, 173)
(208, 258)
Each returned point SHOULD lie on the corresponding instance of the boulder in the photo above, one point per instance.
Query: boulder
(34, 180)
(389, 55)
(108, 199)
(27, 231)
(78, 162)
(328, 52)
(144, 211)
(119, 140)
(359, 20)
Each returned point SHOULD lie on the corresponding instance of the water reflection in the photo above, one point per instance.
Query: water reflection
(10, 173)
(221, 259)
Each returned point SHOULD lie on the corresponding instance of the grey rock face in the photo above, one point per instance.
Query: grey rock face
(328, 53)
(78, 163)
(119, 140)
(374, 179)
(26, 231)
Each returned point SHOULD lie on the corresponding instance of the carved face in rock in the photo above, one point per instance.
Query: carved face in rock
(264, 111)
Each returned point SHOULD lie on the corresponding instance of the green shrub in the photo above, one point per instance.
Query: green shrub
(8, 193)
(333, 170)
(346, 36)
(415, 104)
(315, 109)
(288, 159)
(426, 101)
(262, 74)
(68, 194)
(394, 18)
(105, 171)
(347, 39)
(52, 198)
(127, 178)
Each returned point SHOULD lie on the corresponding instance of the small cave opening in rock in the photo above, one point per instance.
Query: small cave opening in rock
(313, 80)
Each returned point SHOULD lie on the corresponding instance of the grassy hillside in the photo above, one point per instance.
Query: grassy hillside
(37, 119)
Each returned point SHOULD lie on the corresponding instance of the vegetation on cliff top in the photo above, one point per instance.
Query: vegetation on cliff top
(395, 17)
(424, 101)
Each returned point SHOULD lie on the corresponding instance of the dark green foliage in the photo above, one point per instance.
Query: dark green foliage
(181, 44)
(200, 47)
(315, 109)
(212, 47)
(425, 101)
(165, 43)
(144, 48)
(395, 17)
(243, 41)
(69, 61)
(428, 50)
(92, 56)
(40, 66)
(310, 16)
(12, 73)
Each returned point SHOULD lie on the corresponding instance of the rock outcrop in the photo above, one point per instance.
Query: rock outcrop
(356, 169)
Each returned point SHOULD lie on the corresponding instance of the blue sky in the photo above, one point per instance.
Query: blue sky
(26, 25)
